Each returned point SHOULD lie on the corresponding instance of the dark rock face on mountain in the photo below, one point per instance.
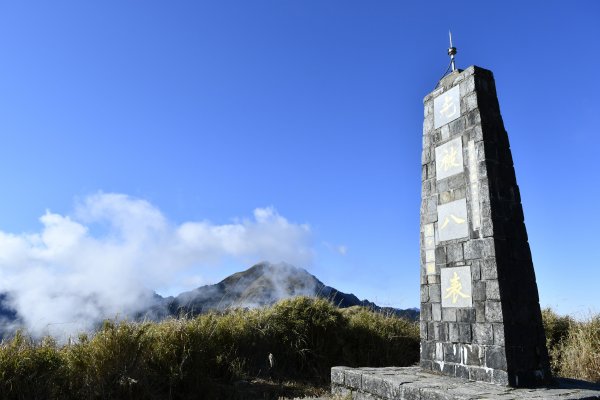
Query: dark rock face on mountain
(8, 316)
(265, 284)
(5, 311)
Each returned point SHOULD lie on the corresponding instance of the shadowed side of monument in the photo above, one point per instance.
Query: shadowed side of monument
(480, 313)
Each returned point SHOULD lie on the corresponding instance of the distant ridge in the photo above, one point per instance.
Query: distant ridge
(264, 284)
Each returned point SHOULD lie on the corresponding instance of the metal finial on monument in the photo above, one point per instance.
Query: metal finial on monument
(451, 52)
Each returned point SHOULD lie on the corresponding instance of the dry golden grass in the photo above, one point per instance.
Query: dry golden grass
(580, 351)
(211, 356)
(574, 346)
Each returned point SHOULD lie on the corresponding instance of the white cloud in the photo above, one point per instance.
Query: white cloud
(340, 249)
(101, 261)
(268, 234)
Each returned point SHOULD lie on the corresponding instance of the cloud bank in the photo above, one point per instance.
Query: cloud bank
(105, 259)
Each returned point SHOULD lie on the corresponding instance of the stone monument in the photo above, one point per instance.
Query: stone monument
(480, 313)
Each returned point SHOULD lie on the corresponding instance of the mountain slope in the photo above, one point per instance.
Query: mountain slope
(265, 284)
(261, 285)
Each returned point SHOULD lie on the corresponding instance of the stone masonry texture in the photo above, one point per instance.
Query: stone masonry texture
(481, 318)
(412, 383)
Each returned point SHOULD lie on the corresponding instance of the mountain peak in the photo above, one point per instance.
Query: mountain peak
(270, 271)
(264, 284)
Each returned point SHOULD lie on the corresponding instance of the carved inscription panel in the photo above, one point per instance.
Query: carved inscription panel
(452, 220)
(446, 107)
(456, 287)
(449, 159)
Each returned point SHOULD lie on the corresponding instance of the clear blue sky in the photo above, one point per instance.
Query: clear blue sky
(310, 111)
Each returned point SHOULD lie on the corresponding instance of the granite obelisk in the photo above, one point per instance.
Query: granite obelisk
(480, 313)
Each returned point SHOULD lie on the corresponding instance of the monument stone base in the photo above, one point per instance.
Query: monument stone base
(412, 383)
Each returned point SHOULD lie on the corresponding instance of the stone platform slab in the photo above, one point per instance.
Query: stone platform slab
(412, 383)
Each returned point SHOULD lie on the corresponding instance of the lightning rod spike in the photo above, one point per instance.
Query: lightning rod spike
(451, 52)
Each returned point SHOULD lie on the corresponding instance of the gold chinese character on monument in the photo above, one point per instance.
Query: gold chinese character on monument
(454, 218)
(449, 158)
(449, 109)
(455, 289)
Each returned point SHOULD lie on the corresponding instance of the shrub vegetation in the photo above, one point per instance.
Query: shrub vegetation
(206, 356)
(215, 355)
(574, 346)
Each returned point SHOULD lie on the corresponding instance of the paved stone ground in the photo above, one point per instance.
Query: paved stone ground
(312, 398)
(411, 383)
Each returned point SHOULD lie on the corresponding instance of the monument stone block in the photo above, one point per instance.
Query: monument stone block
(480, 313)
(479, 252)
